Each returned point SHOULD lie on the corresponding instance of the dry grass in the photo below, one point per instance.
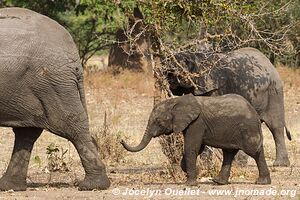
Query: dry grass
(127, 100)
(108, 143)
(141, 83)
(289, 76)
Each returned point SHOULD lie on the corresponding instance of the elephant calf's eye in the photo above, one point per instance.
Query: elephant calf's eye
(161, 125)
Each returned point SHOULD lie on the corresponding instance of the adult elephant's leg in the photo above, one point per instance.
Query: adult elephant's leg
(223, 176)
(275, 120)
(281, 151)
(95, 172)
(15, 176)
(68, 119)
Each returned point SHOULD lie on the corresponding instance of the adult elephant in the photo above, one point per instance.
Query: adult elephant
(246, 72)
(41, 87)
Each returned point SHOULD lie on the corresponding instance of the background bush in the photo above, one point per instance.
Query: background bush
(271, 26)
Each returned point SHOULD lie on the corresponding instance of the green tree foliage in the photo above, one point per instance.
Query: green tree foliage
(227, 25)
(272, 26)
(47, 7)
(293, 59)
(92, 23)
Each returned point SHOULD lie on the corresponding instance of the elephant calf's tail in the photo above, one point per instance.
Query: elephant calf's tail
(288, 133)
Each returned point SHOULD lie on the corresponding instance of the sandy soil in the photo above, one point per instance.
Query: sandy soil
(144, 175)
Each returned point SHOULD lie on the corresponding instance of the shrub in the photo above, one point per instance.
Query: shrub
(172, 146)
(108, 143)
(56, 157)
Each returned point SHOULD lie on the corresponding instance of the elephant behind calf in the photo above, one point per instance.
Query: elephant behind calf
(228, 122)
(246, 72)
(41, 87)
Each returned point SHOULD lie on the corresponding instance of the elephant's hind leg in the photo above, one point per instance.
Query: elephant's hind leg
(15, 176)
(95, 172)
(264, 174)
(275, 120)
(278, 135)
(223, 176)
(281, 150)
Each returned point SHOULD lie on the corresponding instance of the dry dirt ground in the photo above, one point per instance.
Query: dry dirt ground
(123, 104)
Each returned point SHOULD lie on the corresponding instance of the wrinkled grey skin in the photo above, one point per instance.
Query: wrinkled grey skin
(41, 84)
(246, 72)
(228, 122)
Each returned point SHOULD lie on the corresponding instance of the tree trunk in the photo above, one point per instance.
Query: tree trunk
(132, 48)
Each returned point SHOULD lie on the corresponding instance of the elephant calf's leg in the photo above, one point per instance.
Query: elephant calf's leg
(15, 176)
(95, 177)
(264, 174)
(192, 145)
(182, 163)
(228, 155)
(191, 169)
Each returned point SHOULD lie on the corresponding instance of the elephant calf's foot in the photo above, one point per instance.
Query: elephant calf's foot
(220, 181)
(10, 183)
(283, 162)
(94, 182)
(263, 180)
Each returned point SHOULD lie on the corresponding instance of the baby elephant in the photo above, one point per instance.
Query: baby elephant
(228, 122)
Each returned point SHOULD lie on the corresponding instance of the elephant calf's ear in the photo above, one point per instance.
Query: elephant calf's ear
(184, 112)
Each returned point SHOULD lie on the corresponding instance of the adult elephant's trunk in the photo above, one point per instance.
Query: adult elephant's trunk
(144, 142)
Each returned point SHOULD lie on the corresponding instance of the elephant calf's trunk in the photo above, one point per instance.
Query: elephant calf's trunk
(145, 141)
